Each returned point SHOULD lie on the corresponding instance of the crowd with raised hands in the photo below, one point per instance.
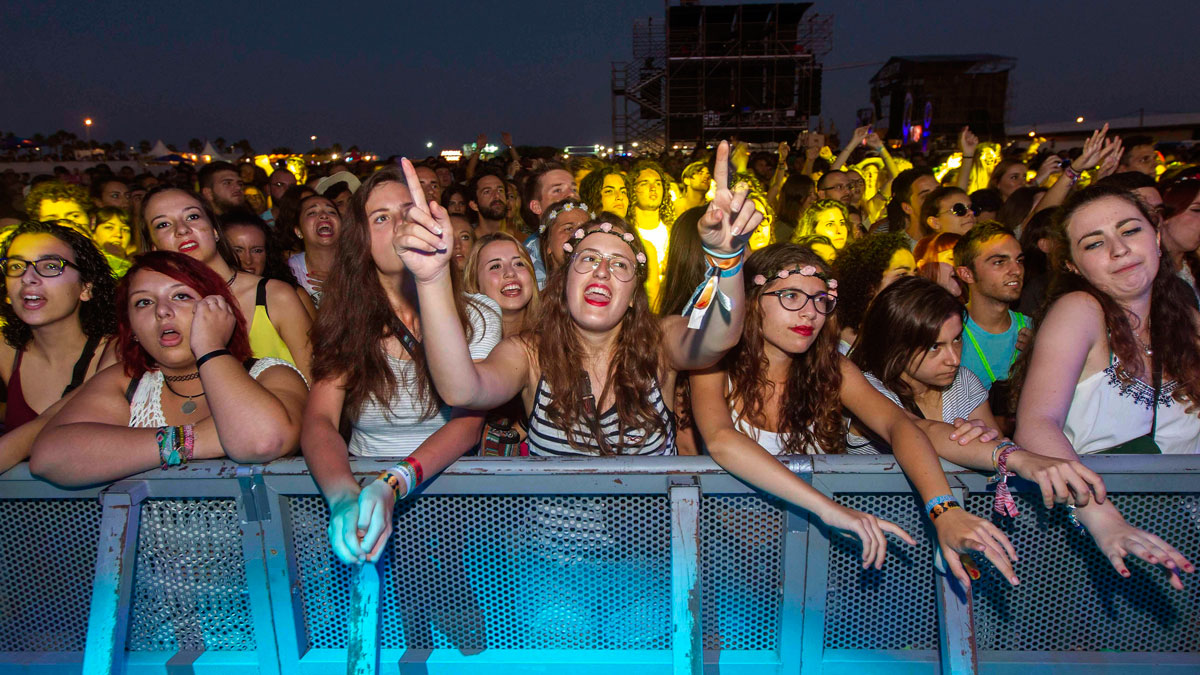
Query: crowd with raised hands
(1004, 307)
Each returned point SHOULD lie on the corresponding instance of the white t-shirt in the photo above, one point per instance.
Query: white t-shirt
(401, 430)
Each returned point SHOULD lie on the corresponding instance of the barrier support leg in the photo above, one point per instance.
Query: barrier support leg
(686, 640)
(116, 553)
(956, 620)
(362, 656)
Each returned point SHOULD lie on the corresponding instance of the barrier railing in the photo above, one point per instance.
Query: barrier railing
(607, 565)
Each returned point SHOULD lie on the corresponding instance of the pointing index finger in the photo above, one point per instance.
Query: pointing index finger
(721, 170)
(414, 185)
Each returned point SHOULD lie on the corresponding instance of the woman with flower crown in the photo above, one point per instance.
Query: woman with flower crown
(587, 373)
(782, 389)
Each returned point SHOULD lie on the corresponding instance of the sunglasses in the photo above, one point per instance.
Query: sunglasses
(960, 209)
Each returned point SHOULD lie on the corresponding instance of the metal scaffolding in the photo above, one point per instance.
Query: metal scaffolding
(714, 71)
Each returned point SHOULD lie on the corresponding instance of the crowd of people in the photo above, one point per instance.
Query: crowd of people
(1005, 307)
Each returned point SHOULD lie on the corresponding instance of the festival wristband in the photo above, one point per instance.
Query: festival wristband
(937, 500)
(1003, 502)
(418, 470)
(212, 355)
(996, 451)
(719, 265)
(942, 508)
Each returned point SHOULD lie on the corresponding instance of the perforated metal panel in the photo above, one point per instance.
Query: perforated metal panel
(741, 550)
(501, 572)
(47, 565)
(892, 608)
(190, 579)
(1070, 599)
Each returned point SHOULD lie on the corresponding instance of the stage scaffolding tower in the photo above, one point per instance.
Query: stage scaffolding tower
(713, 71)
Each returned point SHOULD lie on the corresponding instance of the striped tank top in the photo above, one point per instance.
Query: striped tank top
(547, 440)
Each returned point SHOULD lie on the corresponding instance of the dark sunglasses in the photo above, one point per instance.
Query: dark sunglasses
(960, 209)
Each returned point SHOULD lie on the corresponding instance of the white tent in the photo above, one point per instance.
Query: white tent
(210, 151)
(160, 149)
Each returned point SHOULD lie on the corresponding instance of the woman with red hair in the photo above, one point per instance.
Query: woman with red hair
(935, 261)
(186, 388)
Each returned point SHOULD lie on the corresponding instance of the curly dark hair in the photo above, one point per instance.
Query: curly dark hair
(666, 210)
(810, 415)
(96, 316)
(590, 188)
(859, 268)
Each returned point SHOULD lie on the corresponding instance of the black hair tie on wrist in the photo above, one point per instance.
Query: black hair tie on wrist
(211, 355)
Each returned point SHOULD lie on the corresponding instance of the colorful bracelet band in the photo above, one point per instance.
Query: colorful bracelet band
(996, 451)
(942, 508)
(1003, 502)
(937, 500)
(719, 265)
(1073, 519)
(418, 470)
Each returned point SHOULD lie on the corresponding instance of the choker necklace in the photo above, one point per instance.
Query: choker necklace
(189, 406)
(232, 279)
(181, 378)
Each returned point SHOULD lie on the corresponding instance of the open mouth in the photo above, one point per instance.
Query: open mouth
(32, 301)
(597, 295)
(511, 290)
(188, 246)
(169, 337)
(325, 230)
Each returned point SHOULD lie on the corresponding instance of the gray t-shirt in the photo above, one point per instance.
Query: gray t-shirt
(960, 400)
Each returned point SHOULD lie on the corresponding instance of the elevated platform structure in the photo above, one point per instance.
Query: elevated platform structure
(714, 71)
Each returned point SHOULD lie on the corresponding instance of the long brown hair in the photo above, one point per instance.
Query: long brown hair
(633, 371)
(903, 320)
(356, 317)
(810, 414)
(1173, 337)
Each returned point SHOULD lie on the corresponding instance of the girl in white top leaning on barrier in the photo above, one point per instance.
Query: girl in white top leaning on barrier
(185, 387)
(1115, 364)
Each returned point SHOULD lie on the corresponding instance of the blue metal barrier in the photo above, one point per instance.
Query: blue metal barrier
(604, 565)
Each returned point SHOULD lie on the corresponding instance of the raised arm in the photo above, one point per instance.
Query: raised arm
(957, 530)
(856, 139)
(724, 230)
(422, 241)
(473, 160)
(968, 143)
(1094, 148)
(741, 456)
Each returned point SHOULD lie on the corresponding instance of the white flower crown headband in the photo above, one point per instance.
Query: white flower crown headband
(553, 215)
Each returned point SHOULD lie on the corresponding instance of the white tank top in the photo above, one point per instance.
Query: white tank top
(1105, 413)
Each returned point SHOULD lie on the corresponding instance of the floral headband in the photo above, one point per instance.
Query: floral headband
(551, 216)
(806, 271)
(607, 228)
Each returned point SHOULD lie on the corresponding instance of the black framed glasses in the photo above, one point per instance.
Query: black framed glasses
(794, 300)
(960, 209)
(48, 267)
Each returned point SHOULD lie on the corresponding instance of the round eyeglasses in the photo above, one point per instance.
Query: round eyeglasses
(960, 209)
(48, 267)
(620, 267)
(794, 300)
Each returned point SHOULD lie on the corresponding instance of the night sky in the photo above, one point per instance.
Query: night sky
(390, 77)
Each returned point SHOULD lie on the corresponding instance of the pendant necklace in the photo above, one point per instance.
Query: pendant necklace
(232, 279)
(188, 406)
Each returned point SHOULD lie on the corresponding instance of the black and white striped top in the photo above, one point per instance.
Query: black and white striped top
(547, 440)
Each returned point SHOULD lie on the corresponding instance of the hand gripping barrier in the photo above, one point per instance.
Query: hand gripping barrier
(603, 565)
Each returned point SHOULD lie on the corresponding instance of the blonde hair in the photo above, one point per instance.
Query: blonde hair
(471, 270)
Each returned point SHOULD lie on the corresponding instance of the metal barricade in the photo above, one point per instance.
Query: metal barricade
(600, 565)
